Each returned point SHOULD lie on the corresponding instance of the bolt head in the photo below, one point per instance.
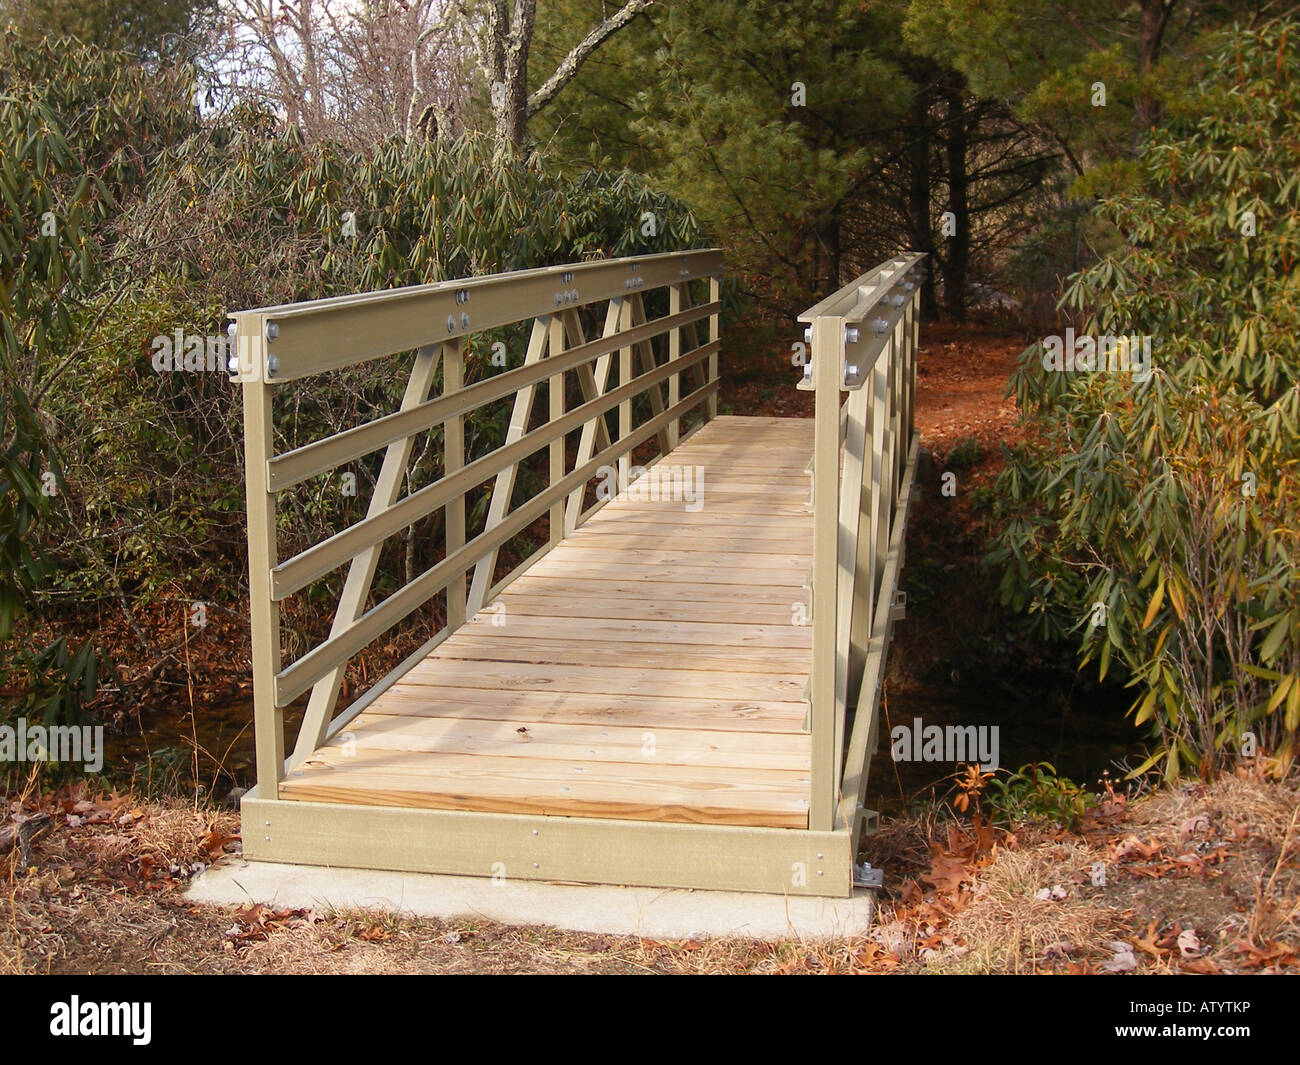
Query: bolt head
(272, 330)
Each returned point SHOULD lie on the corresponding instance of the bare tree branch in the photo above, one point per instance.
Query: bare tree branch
(570, 64)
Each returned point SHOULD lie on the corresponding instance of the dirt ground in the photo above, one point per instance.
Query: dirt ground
(1196, 879)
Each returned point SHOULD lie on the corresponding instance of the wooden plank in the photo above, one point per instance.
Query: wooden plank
(562, 742)
(599, 677)
(524, 847)
(676, 655)
(741, 715)
(597, 608)
(679, 794)
(744, 541)
(756, 638)
(578, 585)
(735, 512)
(780, 524)
(605, 557)
(596, 570)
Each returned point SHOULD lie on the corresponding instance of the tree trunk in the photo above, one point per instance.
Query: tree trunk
(918, 206)
(954, 267)
(1151, 32)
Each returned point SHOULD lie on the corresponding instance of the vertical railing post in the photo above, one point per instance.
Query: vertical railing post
(624, 406)
(453, 444)
(715, 294)
(674, 353)
(555, 398)
(264, 614)
(827, 356)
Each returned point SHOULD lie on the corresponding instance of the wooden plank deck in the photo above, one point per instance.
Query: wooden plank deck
(647, 667)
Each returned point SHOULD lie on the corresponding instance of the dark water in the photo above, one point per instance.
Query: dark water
(176, 750)
(1082, 736)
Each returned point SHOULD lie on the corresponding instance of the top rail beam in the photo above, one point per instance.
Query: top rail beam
(307, 338)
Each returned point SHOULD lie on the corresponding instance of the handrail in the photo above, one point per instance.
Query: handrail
(293, 342)
(863, 342)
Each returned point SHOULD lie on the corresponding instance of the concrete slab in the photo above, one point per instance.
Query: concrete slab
(655, 913)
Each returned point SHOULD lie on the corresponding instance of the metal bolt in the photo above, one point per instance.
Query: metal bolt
(882, 327)
(535, 865)
(272, 330)
(819, 857)
(851, 372)
(898, 299)
(272, 364)
(464, 319)
(267, 823)
(232, 329)
(807, 371)
(559, 298)
(534, 832)
(851, 334)
(807, 335)
(451, 324)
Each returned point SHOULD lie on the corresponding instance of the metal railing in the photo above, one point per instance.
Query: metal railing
(279, 345)
(863, 348)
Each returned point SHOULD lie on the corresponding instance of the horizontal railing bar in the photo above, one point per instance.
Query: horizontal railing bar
(839, 296)
(293, 467)
(851, 303)
(327, 334)
(297, 678)
(296, 573)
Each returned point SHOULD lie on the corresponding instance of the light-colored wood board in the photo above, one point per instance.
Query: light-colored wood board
(530, 847)
(632, 610)
(517, 648)
(755, 638)
(597, 572)
(693, 556)
(650, 591)
(713, 795)
(740, 540)
(742, 715)
(599, 678)
(578, 744)
(736, 513)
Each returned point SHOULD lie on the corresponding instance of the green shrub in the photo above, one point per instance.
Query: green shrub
(1159, 519)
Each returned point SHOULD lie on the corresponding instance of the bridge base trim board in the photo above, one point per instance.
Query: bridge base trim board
(559, 849)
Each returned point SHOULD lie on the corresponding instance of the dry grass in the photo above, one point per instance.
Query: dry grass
(105, 895)
(1194, 878)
